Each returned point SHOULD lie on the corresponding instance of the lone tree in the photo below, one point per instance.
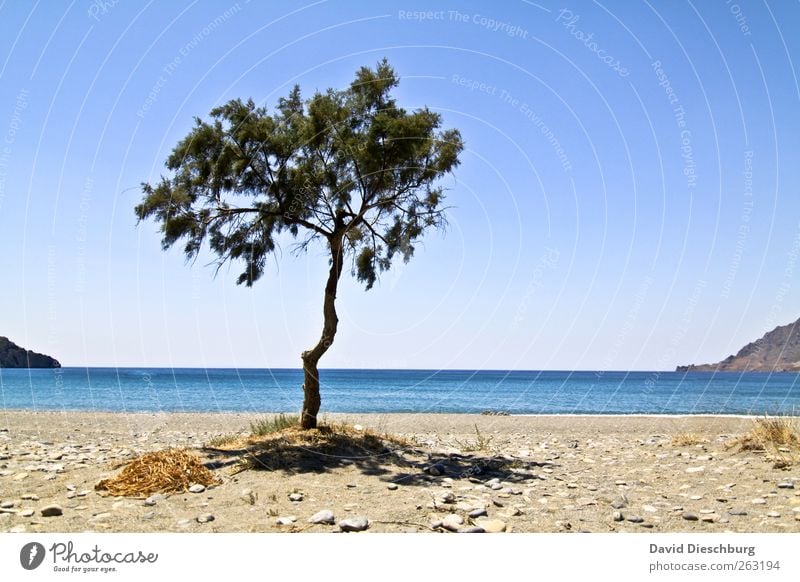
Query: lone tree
(345, 168)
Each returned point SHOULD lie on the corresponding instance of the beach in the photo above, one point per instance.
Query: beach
(437, 473)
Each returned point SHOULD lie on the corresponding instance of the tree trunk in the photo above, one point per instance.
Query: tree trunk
(311, 399)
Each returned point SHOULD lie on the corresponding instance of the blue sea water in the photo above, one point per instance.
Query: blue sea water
(384, 391)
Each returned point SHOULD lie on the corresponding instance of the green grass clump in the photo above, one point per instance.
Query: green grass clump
(273, 424)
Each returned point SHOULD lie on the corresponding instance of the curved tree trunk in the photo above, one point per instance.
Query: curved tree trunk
(312, 400)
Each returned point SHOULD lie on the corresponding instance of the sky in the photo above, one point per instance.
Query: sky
(627, 197)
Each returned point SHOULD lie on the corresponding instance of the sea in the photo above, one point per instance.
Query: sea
(387, 391)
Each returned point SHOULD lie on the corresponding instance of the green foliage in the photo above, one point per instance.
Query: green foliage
(269, 425)
(349, 167)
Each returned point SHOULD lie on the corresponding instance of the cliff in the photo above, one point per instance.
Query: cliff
(13, 356)
(777, 351)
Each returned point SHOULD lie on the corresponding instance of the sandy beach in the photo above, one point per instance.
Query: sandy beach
(452, 473)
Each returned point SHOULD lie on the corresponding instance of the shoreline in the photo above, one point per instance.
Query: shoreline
(406, 413)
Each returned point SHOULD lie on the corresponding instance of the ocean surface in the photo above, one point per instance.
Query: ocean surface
(383, 391)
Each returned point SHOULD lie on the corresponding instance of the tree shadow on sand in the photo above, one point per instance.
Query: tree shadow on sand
(391, 459)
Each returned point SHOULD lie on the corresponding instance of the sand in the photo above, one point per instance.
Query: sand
(451, 472)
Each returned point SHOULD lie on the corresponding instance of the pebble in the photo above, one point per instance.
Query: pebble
(491, 525)
(696, 469)
(452, 522)
(618, 503)
(773, 514)
(737, 511)
(27, 513)
(30, 496)
(18, 529)
(649, 508)
(205, 518)
(51, 511)
(354, 524)
(708, 518)
(289, 520)
(759, 501)
(695, 497)
(6, 505)
(436, 470)
(184, 522)
(786, 485)
(197, 488)
(472, 529)
(618, 516)
(448, 497)
(392, 486)
(478, 512)
(635, 518)
(296, 497)
(323, 516)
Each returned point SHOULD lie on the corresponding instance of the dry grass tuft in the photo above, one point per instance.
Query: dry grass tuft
(481, 442)
(223, 440)
(777, 436)
(686, 439)
(167, 471)
(328, 445)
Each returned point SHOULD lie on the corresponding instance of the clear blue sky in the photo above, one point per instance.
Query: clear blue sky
(627, 199)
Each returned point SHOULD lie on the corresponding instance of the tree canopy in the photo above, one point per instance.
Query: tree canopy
(348, 163)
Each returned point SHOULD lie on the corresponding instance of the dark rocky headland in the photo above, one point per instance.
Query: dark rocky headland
(13, 356)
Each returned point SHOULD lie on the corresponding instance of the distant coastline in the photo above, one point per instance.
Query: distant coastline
(776, 351)
(14, 356)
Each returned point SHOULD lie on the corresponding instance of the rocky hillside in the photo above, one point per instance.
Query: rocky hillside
(13, 356)
(777, 351)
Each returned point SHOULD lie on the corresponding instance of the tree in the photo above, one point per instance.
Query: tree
(349, 169)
